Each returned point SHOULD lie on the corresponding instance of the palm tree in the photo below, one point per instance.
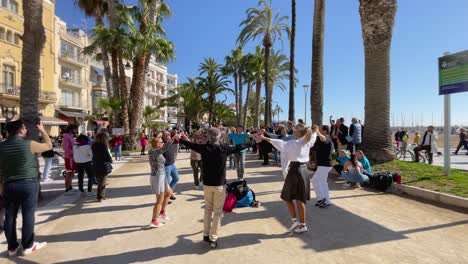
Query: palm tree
(211, 86)
(188, 97)
(249, 78)
(221, 112)
(291, 114)
(377, 20)
(232, 67)
(256, 67)
(209, 66)
(316, 94)
(98, 9)
(263, 23)
(150, 114)
(279, 70)
(33, 42)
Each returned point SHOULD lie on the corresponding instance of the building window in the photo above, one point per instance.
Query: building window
(66, 97)
(69, 50)
(71, 75)
(17, 38)
(2, 33)
(9, 36)
(8, 77)
(13, 6)
(4, 3)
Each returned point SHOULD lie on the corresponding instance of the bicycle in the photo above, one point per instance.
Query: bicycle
(404, 153)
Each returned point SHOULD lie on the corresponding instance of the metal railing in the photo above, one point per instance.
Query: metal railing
(16, 91)
(71, 80)
(73, 57)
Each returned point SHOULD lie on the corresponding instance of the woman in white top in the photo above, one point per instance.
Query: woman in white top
(83, 156)
(297, 152)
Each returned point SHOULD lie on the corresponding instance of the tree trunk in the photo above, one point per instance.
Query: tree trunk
(377, 20)
(123, 96)
(153, 17)
(246, 106)
(105, 63)
(33, 42)
(258, 91)
(291, 114)
(267, 46)
(316, 86)
(239, 117)
(236, 93)
(137, 93)
(115, 73)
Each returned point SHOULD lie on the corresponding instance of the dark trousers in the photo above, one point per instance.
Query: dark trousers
(461, 144)
(2, 212)
(266, 158)
(353, 147)
(101, 191)
(339, 168)
(418, 149)
(87, 167)
(197, 169)
(143, 150)
(20, 193)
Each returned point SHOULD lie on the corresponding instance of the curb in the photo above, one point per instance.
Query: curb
(433, 195)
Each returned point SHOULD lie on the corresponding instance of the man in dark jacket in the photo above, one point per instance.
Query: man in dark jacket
(19, 169)
(214, 156)
(340, 134)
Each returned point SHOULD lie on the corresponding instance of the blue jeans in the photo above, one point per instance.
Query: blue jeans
(20, 193)
(47, 167)
(172, 176)
(354, 177)
(118, 152)
(239, 161)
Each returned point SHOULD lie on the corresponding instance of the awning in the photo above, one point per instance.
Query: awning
(98, 71)
(52, 121)
(72, 114)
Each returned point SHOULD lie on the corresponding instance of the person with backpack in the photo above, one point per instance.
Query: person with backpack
(323, 147)
(214, 156)
(353, 172)
(102, 163)
(83, 156)
(294, 188)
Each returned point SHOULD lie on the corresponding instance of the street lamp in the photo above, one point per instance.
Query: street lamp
(8, 112)
(306, 88)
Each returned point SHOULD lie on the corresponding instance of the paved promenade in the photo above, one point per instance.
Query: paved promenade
(361, 227)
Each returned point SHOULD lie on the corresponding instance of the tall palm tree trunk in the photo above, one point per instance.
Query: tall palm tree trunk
(246, 105)
(316, 92)
(267, 46)
(33, 43)
(236, 93)
(258, 91)
(105, 62)
(123, 96)
(239, 117)
(136, 104)
(377, 20)
(291, 114)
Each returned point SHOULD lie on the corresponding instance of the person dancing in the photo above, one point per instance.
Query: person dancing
(158, 181)
(323, 146)
(294, 188)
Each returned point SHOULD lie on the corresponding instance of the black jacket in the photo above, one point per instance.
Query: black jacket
(214, 159)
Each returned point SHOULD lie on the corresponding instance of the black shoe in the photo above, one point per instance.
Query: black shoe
(320, 202)
(172, 197)
(214, 244)
(324, 205)
(265, 164)
(206, 239)
(169, 202)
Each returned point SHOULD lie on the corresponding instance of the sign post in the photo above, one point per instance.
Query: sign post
(453, 78)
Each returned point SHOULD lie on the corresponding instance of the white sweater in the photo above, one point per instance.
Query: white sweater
(82, 154)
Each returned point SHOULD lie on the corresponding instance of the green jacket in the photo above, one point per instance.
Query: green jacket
(17, 161)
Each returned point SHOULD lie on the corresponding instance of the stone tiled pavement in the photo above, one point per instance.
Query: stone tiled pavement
(361, 227)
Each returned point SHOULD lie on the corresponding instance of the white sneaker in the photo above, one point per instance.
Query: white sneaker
(346, 185)
(301, 229)
(13, 253)
(156, 224)
(36, 246)
(196, 187)
(294, 226)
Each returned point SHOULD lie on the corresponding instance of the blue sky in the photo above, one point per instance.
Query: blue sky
(424, 30)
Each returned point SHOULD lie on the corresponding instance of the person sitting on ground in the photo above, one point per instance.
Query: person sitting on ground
(342, 158)
(214, 156)
(158, 180)
(353, 172)
(366, 166)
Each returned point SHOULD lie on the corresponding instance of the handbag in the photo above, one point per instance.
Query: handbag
(108, 168)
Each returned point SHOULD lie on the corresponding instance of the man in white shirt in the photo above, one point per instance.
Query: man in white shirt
(427, 143)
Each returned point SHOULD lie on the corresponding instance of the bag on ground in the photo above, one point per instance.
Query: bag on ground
(247, 201)
(381, 180)
(239, 188)
(229, 202)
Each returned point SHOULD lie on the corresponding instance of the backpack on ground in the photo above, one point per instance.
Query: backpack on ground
(239, 188)
(381, 180)
(247, 201)
(229, 202)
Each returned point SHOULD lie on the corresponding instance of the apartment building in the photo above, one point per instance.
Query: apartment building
(11, 28)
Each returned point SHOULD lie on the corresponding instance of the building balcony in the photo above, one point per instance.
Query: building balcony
(72, 106)
(14, 93)
(73, 59)
(100, 85)
(73, 82)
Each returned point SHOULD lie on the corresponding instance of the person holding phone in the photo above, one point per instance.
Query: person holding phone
(19, 167)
